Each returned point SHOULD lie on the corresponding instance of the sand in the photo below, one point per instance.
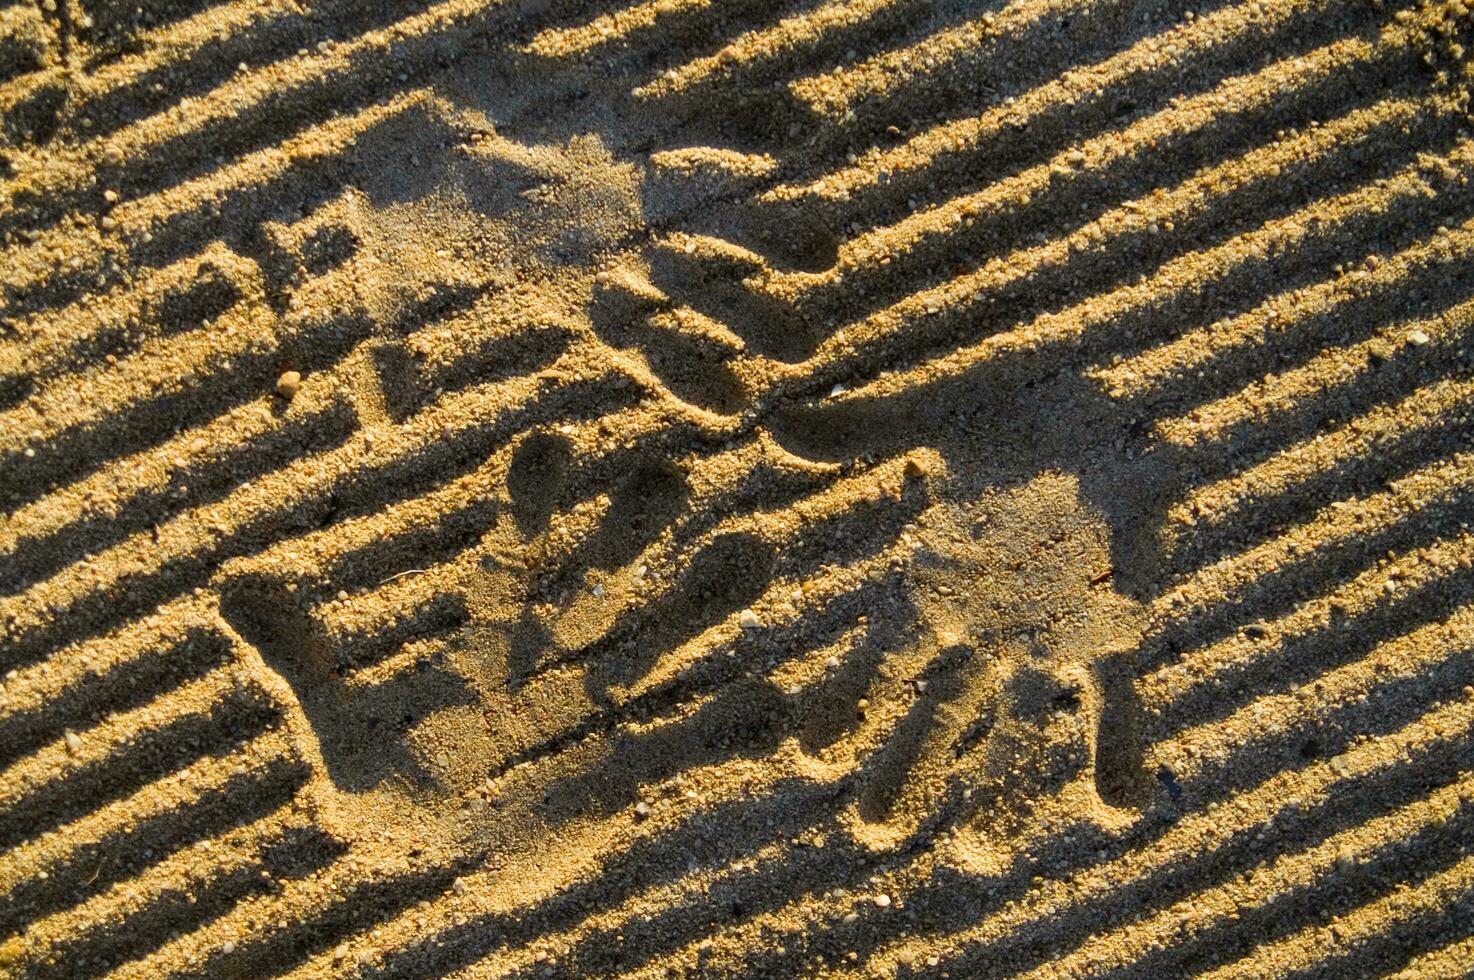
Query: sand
(569, 488)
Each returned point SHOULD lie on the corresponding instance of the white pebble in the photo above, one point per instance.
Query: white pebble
(74, 743)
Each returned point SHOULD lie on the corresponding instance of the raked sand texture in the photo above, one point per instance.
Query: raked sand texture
(879, 488)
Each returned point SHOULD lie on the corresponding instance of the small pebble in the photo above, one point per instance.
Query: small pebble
(1417, 338)
(883, 900)
(748, 620)
(289, 384)
(74, 743)
(905, 957)
(642, 810)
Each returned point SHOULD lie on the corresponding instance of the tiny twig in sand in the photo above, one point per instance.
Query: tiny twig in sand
(407, 571)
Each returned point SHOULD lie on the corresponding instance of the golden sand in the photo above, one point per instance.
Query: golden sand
(955, 488)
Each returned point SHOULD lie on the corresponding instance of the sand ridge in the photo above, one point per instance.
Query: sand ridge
(835, 487)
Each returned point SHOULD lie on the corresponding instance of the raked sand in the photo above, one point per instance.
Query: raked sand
(879, 488)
